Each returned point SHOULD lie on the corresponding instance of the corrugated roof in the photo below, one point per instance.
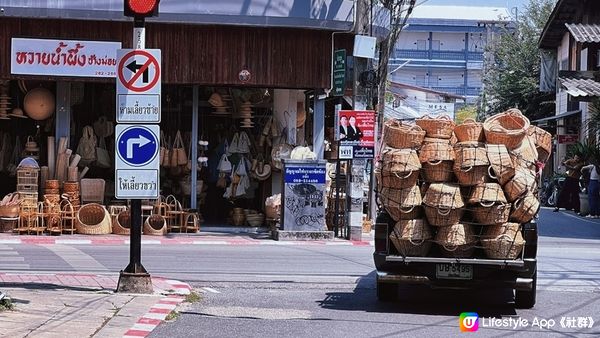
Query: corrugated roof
(474, 13)
(584, 32)
(579, 83)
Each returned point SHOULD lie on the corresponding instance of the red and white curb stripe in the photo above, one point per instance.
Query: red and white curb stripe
(156, 315)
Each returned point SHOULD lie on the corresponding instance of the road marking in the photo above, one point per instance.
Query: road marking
(73, 241)
(10, 241)
(211, 290)
(210, 242)
(580, 218)
(76, 258)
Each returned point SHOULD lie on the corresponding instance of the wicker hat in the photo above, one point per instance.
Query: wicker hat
(216, 100)
(39, 103)
(18, 112)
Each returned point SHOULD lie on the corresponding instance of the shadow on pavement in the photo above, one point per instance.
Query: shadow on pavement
(566, 224)
(50, 286)
(416, 299)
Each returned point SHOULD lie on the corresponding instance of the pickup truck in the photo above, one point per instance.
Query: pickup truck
(464, 273)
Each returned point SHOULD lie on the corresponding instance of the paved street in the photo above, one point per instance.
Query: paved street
(280, 289)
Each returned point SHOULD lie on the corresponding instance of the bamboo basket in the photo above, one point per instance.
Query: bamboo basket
(399, 135)
(487, 194)
(121, 224)
(412, 237)
(396, 181)
(526, 155)
(93, 219)
(456, 241)
(440, 127)
(503, 241)
(469, 131)
(543, 142)
(502, 167)
(471, 166)
(525, 208)
(436, 152)
(399, 161)
(401, 203)
(522, 183)
(443, 217)
(438, 171)
(155, 225)
(443, 204)
(490, 215)
(508, 128)
(52, 185)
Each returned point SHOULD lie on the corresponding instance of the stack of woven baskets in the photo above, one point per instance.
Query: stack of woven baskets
(461, 187)
(71, 192)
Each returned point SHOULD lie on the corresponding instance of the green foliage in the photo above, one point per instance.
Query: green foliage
(588, 151)
(193, 297)
(6, 304)
(173, 315)
(513, 70)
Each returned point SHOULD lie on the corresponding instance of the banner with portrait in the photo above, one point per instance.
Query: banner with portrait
(356, 132)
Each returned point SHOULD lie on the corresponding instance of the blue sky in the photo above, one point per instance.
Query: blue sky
(493, 3)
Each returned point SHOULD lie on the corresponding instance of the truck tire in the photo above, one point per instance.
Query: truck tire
(526, 299)
(387, 292)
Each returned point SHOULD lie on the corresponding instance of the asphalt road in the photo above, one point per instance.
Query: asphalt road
(329, 291)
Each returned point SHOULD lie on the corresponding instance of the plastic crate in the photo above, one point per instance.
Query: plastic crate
(27, 176)
(21, 188)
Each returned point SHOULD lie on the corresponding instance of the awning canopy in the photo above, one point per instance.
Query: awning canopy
(580, 83)
(584, 32)
(559, 116)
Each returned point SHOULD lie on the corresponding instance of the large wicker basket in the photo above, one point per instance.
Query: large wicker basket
(386, 179)
(439, 127)
(412, 237)
(155, 225)
(469, 130)
(93, 219)
(122, 223)
(436, 152)
(401, 203)
(502, 167)
(457, 240)
(443, 217)
(399, 135)
(526, 155)
(399, 161)
(471, 165)
(438, 171)
(489, 215)
(543, 142)
(503, 241)
(522, 183)
(443, 204)
(508, 128)
(487, 194)
(525, 208)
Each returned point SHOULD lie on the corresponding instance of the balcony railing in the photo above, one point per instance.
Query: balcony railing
(411, 54)
(438, 55)
(469, 91)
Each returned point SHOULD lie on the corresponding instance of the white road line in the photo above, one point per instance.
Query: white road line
(210, 242)
(76, 258)
(143, 327)
(211, 290)
(152, 315)
(165, 306)
(10, 241)
(73, 241)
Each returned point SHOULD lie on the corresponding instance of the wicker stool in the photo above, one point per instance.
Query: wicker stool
(67, 217)
(190, 222)
(175, 215)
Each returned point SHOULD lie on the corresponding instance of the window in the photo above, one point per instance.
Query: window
(435, 44)
(421, 44)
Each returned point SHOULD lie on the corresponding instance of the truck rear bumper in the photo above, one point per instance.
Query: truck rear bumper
(520, 283)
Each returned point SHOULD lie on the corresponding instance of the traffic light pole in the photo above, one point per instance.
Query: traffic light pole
(135, 278)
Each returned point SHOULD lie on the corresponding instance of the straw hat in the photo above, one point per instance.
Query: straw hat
(18, 112)
(39, 103)
(216, 100)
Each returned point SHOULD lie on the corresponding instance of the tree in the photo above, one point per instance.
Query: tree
(512, 65)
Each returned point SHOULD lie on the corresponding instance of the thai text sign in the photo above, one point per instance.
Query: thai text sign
(305, 174)
(356, 130)
(568, 138)
(63, 57)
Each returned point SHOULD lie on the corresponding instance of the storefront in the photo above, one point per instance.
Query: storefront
(234, 99)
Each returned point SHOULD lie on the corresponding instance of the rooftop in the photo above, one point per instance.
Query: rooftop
(471, 13)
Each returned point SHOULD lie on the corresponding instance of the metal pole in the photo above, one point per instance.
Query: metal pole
(135, 247)
(194, 150)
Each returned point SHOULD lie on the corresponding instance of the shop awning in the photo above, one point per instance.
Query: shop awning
(584, 32)
(580, 84)
(559, 116)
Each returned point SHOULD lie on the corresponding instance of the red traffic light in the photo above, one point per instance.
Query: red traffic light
(141, 8)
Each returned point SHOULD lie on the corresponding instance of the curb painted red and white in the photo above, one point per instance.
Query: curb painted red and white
(152, 319)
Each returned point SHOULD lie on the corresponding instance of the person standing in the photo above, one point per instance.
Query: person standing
(343, 128)
(354, 132)
(593, 191)
(569, 195)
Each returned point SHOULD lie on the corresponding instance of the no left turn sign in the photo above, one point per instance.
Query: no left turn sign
(138, 71)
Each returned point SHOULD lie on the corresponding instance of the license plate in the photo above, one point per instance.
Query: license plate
(454, 271)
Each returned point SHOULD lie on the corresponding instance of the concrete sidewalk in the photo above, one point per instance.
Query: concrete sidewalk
(83, 305)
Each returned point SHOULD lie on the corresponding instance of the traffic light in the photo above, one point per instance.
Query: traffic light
(141, 8)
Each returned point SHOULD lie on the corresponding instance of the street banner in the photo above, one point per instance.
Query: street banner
(356, 132)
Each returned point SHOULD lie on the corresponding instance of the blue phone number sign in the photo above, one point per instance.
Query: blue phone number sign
(305, 174)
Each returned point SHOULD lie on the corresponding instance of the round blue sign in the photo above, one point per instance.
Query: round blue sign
(137, 146)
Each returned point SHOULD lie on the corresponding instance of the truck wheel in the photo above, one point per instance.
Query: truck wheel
(387, 292)
(526, 299)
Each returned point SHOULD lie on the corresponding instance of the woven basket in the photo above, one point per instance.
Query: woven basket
(503, 241)
(526, 155)
(412, 237)
(469, 131)
(471, 164)
(522, 183)
(121, 224)
(436, 152)
(474, 176)
(543, 155)
(93, 219)
(401, 201)
(396, 181)
(9, 211)
(399, 135)
(155, 225)
(399, 161)
(71, 187)
(438, 172)
(457, 240)
(502, 167)
(52, 184)
(541, 138)
(525, 208)
(490, 215)
(443, 217)
(443, 196)
(487, 194)
(440, 127)
(508, 128)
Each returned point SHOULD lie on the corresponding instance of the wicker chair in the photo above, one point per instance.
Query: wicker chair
(92, 190)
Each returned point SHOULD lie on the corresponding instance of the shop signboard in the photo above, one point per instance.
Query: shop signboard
(339, 72)
(568, 138)
(138, 85)
(356, 130)
(436, 109)
(137, 161)
(63, 58)
(304, 195)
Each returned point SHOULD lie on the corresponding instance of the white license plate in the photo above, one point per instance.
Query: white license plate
(454, 271)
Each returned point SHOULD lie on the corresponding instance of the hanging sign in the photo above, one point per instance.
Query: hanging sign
(63, 57)
(137, 161)
(138, 85)
(356, 130)
(339, 72)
